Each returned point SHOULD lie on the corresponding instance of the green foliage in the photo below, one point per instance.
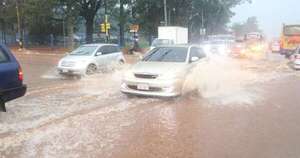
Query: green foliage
(44, 17)
(39, 17)
(251, 25)
(211, 14)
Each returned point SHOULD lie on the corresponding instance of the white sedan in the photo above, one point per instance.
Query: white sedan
(163, 71)
(87, 59)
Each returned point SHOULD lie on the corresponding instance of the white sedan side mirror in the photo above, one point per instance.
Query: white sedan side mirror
(194, 59)
(99, 53)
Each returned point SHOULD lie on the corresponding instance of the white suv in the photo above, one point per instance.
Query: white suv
(87, 59)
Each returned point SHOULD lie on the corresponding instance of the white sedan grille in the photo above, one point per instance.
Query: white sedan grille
(68, 64)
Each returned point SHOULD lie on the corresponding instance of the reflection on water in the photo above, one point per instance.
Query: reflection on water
(167, 122)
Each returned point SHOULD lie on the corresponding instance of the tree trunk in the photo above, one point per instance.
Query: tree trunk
(2, 31)
(70, 28)
(122, 23)
(150, 38)
(89, 29)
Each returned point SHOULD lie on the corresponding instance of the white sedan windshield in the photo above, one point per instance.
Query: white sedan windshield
(84, 51)
(165, 54)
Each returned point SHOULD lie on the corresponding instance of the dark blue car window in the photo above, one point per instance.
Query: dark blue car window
(3, 56)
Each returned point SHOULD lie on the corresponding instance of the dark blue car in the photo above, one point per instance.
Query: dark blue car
(11, 78)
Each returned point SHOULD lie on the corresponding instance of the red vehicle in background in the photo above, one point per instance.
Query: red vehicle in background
(238, 49)
(275, 46)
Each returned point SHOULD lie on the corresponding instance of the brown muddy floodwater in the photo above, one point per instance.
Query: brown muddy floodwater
(241, 108)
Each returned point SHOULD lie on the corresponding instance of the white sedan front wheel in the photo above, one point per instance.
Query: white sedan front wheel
(91, 69)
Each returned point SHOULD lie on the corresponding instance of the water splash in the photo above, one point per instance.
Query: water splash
(223, 80)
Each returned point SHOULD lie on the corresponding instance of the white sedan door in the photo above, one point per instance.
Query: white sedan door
(116, 55)
(103, 56)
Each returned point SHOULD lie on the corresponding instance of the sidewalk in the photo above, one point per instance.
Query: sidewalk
(40, 51)
(59, 52)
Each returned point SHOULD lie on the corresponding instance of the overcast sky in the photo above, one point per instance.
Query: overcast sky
(271, 14)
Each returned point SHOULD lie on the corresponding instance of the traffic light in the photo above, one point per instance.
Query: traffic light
(102, 28)
(105, 27)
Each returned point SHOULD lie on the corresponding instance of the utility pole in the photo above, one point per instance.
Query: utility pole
(166, 13)
(63, 27)
(202, 29)
(202, 19)
(121, 23)
(63, 22)
(106, 21)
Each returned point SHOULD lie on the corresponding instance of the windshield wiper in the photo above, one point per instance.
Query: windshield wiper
(163, 56)
(76, 53)
(150, 55)
(80, 53)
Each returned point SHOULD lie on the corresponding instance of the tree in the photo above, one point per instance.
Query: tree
(88, 10)
(41, 19)
(194, 14)
(122, 18)
(69, 14)
(213, 15)
(149, 14)
(251, 25)
(238, 29)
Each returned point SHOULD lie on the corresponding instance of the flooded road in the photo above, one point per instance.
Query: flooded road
(241, 109)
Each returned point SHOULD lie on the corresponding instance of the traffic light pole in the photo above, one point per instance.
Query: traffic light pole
(106, 21)
(165, 13)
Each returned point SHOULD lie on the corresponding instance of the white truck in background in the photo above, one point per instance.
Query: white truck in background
(168, 35)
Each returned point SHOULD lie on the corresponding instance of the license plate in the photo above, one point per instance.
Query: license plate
(143, 87)
(65, 71)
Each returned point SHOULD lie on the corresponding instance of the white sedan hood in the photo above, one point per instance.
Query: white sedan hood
(159, 68)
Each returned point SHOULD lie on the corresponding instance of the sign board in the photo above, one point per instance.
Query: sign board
(202, 31)
(134, 28)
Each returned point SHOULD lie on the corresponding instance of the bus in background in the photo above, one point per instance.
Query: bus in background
(290, 39)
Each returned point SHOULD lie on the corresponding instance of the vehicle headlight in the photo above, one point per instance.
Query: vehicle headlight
(257, 47)
(222, 48)
(206, 48)
(60, 62)
(243, 51)
(128, 74)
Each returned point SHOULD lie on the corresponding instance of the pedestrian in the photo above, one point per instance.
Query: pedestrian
(21, 45)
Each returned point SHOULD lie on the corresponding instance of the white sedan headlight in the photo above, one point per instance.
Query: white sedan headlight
(128, 74)
(206, 48)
